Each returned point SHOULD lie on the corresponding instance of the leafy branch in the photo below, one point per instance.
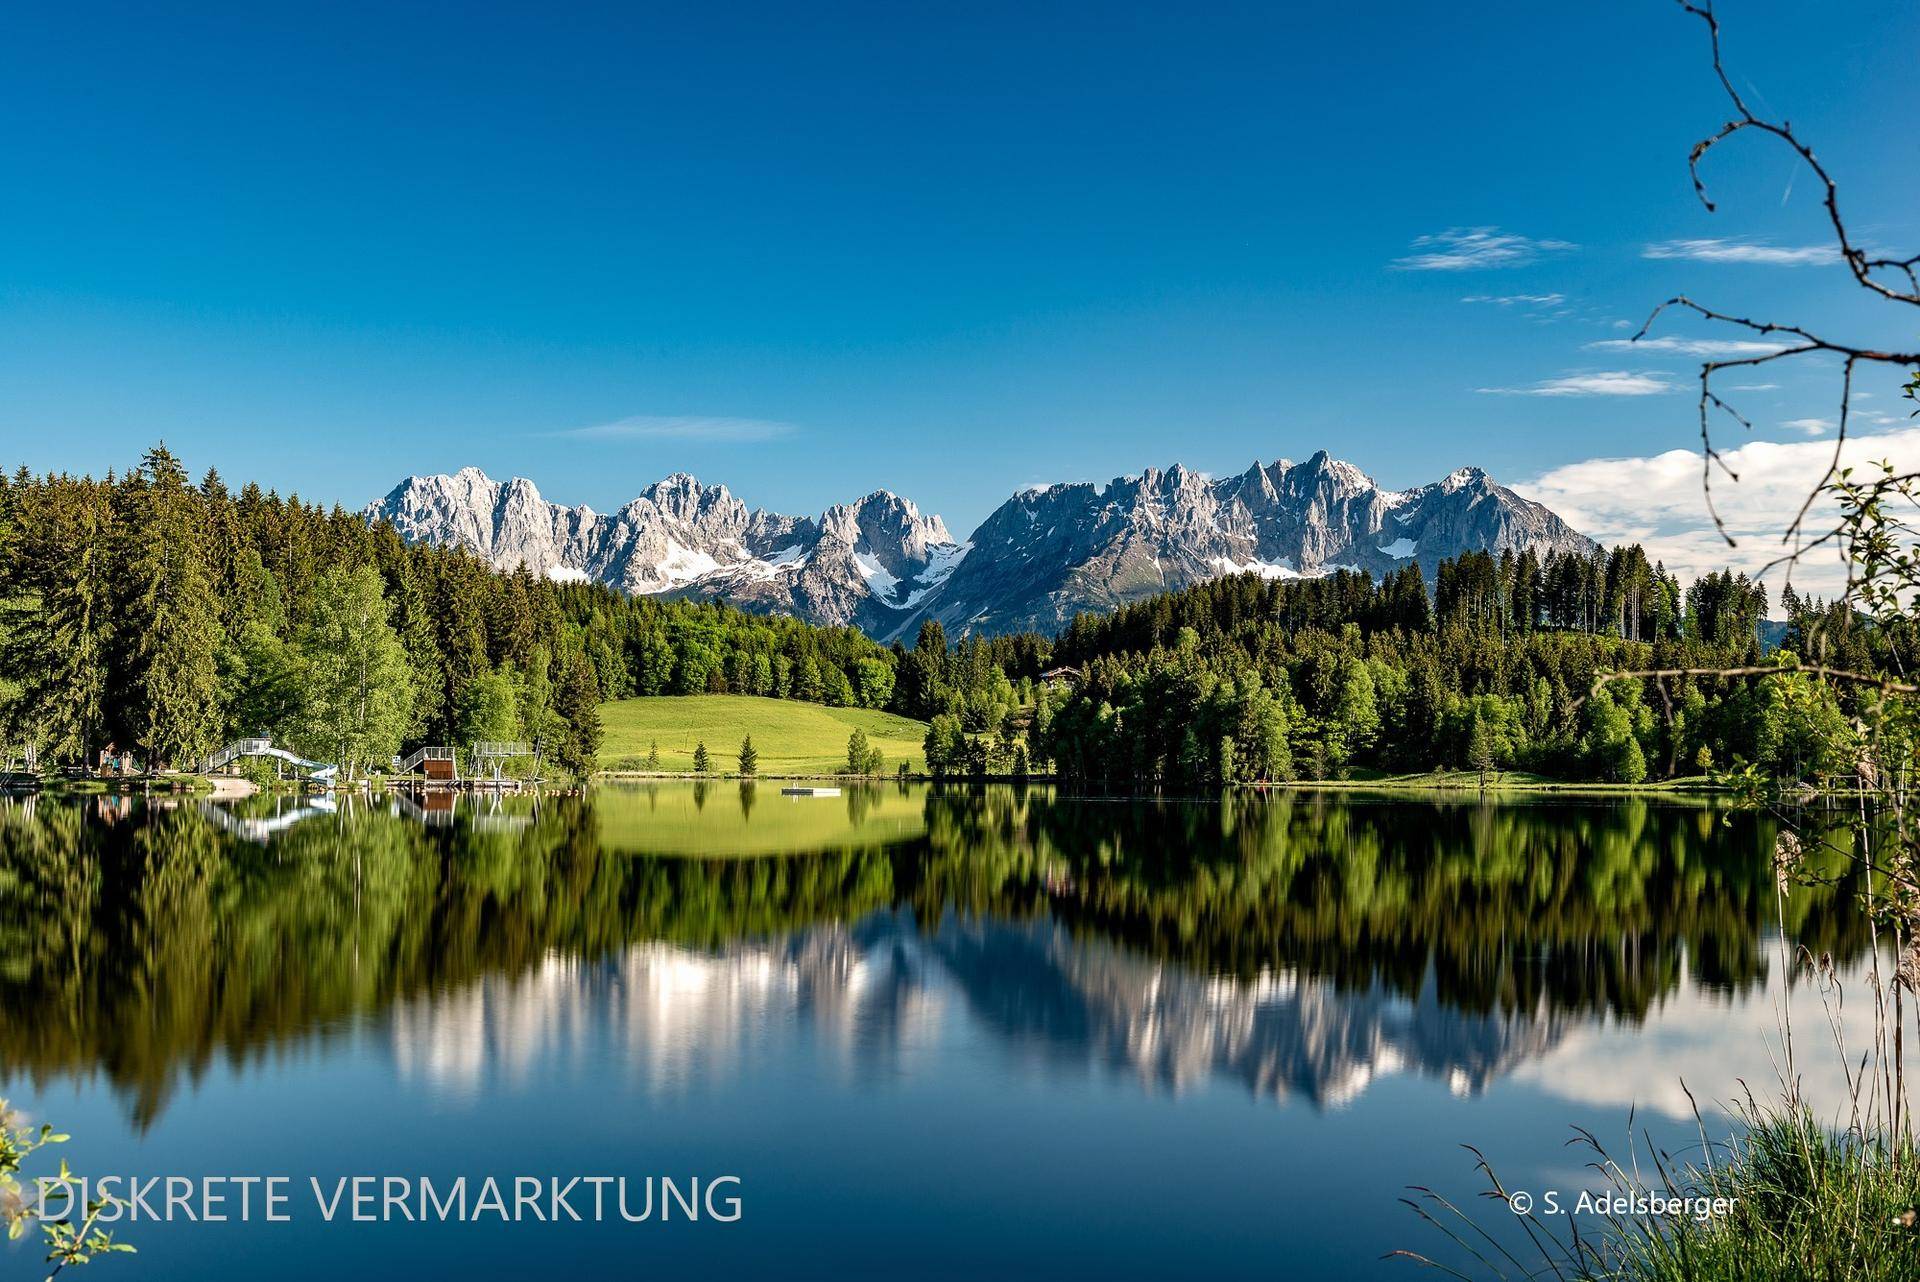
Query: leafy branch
(68, 1242)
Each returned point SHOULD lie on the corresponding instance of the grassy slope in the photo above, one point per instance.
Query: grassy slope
(791, 737)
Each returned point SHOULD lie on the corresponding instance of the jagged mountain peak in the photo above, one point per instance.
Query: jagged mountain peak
(1323, 466)
(676, 484)
(888, 515)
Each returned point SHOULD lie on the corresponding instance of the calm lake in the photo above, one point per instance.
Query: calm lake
(931, 1032)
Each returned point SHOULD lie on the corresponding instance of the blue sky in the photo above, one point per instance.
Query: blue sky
(814, 250)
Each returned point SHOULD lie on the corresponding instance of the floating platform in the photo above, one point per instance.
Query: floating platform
(809, 792)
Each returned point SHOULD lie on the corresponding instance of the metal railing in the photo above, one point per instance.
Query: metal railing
(437, 752)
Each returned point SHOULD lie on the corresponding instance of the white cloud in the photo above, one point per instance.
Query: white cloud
(1811, 426)
(1754, 387)
(1709, 1041)
(1614, 382)
(1469, 248)
(1716, 250)
(1517, 300)
(1656, 501)
(1714, 347)
(682, 427)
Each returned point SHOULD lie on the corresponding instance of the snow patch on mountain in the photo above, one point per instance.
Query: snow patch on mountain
(684, 565)
(876, 575)
(1265, 569)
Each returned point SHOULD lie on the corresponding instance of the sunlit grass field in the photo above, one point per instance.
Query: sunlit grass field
(791, 737)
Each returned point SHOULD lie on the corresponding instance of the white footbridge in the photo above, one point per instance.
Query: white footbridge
(315, 771)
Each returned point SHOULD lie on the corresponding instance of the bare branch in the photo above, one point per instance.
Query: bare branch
(1711, 400)
(1856, 259)
(1802, 342)
(1797, 340)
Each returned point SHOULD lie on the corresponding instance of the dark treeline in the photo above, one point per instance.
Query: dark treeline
(1246, 679)
(163, 618)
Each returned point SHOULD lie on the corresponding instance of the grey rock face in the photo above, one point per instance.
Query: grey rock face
(1042, 556)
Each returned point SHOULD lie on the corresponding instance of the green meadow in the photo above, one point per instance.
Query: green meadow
(791, 737)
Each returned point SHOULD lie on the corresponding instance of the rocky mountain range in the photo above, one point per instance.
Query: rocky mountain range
(1046, 553)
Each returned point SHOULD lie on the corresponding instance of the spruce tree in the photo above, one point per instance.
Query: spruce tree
(168, 687)
(577, 708)
(701, 762)
(66, 660)
(749, 759)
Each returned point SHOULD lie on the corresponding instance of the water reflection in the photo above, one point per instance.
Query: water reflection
(1299, 947)
(673, 1015)
(260, 825)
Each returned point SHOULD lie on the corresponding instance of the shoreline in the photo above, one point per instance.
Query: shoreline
(1450, 783)
(1502, 782)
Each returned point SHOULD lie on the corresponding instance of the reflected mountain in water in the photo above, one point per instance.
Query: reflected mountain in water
(1298, 946)
(674, 1015)
(1058, 1000)
(876, 996)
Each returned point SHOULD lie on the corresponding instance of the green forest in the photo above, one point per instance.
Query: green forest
(161, 618)
(155, 618)
(1245, 679)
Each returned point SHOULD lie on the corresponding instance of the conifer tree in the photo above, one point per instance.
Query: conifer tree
(64, 662)
(167, 687)
(749, 758)
(577, 710)
(701, 762)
